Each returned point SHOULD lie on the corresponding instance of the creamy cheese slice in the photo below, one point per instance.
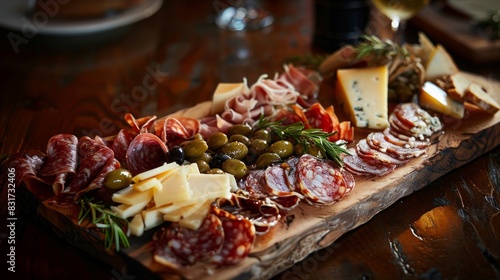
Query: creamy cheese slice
(363, 95)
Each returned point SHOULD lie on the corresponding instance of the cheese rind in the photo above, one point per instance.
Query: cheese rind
(363, 96)
(434, 98)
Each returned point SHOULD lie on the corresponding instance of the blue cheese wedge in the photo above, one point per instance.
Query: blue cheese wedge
(363, 96)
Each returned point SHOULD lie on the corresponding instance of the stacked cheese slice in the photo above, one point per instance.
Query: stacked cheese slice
(171, 192)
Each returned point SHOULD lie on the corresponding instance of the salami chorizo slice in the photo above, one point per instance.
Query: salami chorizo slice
(377, 141)
(97, 183)
(145, 152)
(239, 235)
(365, 151)
(290, 166)
(61, 160)
(162, 252)
(141, 125)
(93, 158)
(364, 167)
(254, 183)
(319, 181)
(194, 245)
(121, 143)
(275, 180)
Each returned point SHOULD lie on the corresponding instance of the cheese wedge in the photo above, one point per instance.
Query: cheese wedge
(476, 95)
(434, 98)
(363, 96)
(158, 172)
(136, 226)
(130, 196)
(124, 211)
(439, 64)
(224, 92)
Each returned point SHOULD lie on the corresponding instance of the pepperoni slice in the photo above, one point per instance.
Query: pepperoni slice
(145, 152)
(194, 245)
(319, 181)
(239, 235)
(61, 160)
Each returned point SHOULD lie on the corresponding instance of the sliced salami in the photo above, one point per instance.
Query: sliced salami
(319, 181)
(97, 183)
(93, 158)
(255, 184)
(275, 181)
(162, 252)
(121, 143)
(145, 152)
(141, 125)
(61, 160)
(239, 235)
(365, 151)
(361, 166)
(377, 141)
(194, 245)
(290, 166)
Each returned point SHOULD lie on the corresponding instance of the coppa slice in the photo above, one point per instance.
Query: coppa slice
(319, 181)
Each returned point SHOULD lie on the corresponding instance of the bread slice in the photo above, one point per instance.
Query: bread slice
(477, 95)
(458, 85)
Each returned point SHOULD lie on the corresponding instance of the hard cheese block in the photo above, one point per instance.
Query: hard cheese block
(434, 98)
(363, 95)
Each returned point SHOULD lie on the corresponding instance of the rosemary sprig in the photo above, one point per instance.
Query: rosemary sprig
(306, 137)
(372, 45)
(105, 220)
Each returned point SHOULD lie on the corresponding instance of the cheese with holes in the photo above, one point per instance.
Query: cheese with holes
(175, 189)
(124, 211)
(130, 196)
(434, 98)
(363, 96)
(224, 92)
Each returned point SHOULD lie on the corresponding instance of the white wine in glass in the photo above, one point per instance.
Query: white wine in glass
(399, 11)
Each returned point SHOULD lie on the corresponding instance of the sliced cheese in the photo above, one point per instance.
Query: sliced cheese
(439, 64)
(209, 186)
(147, 184)
(434, 98)
(130, 196)
(224, 92)
(124, 211)
(155, 172)
(175, 189)
(181, 213)
(363, 95)
(194, 220)
(153, 217)
(136, 226)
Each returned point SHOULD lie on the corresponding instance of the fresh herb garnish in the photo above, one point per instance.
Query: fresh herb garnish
(306, 137)
(105, 220)
(372, 45)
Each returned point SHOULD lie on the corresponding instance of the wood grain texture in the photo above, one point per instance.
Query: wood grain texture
(311, 228)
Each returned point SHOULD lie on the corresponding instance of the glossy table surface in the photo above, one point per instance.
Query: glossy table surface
(84, 84)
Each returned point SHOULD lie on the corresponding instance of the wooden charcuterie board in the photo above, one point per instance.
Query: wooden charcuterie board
(307, 228)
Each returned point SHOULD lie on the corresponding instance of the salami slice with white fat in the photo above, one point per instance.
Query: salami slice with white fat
(145, 152)
(362, 166)
(121, 143)
(319, 181)
(162, 252)
(239, 234)
(61, 160)
(377, 141)
(194, 245)
(290, 166)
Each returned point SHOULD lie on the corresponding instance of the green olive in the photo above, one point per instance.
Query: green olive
(263, 134)
(197, 136)
(240, 138)
(259, 146)
(235, 167)
(299, 149)
(217, 140)
(244, 129)
(117, 179)
(267, 159)
(283, 148)
(195, 148)
(205, 157)
(314, 151)
(215, 171)
(235, 150)
(203, 166)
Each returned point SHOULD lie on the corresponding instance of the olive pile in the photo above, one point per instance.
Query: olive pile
(233, 153)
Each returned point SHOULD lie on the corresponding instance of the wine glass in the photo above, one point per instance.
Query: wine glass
(244, 15)
(399, 11)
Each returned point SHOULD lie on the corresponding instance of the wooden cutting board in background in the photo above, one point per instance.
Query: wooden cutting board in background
(451, 24)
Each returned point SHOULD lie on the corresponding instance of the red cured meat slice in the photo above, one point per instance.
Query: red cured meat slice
(121, 143)
(319, 181)
(365, 151)
(318, 117)
(93, 158)
(97, 183)
(275, 180)
(145, 152)
(287, 202)
(410, 142)
(290, 172)
(26, 164)
(61, 160)
(140, 125)
(239, 234)
(360, 166)
(377, 141)
(397, 126)
(194, 245)
(255, 184)
(162, 252)
(407, 113)
(170, 129)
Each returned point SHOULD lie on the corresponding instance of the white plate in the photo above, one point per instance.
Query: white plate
(13, 15)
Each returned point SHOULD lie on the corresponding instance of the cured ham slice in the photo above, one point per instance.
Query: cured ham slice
(61, 160)
(145, 152)
(305, 81)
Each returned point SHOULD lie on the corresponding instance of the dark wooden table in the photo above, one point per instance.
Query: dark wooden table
(84, 84)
